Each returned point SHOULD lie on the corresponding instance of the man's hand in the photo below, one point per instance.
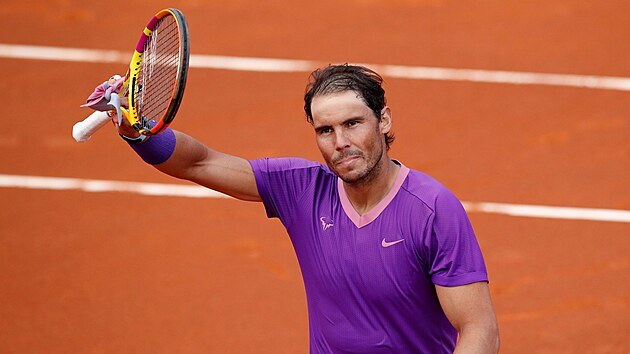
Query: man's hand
(124, 128)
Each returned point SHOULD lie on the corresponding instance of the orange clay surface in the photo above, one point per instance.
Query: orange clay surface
(124, 273)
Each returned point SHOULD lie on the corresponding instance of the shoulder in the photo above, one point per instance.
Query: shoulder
(430, 192)
(282, 182)
(284, 164)
(291, 170)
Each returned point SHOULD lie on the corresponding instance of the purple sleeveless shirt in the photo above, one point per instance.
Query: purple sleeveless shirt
(370, 279)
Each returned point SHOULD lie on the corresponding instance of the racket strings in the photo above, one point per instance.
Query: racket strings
(160, 68)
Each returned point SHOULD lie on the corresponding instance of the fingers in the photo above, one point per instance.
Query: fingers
(125, 127)
(114, 117)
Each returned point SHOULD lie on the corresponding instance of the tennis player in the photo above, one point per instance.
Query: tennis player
(389, 259)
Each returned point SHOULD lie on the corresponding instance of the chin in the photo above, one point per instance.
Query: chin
(361, 175)
(347, 176)
(354, 177)
(360, 172)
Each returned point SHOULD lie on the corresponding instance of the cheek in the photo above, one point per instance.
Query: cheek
(365, 139)
(322, 146)
(326, 149)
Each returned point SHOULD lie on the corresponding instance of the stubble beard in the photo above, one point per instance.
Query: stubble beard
(369, 173)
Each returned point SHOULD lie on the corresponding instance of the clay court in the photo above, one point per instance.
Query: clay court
(83, 271)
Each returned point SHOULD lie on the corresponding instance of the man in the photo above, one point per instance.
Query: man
(389, 259)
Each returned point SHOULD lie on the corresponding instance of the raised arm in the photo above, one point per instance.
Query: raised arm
(193, 161)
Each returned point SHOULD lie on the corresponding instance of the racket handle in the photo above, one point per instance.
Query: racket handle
(82, 131)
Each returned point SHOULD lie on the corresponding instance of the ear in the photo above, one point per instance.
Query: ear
(385, 122)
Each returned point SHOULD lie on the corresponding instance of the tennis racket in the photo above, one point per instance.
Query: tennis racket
(155, 81)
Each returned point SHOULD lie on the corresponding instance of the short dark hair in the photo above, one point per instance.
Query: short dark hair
(339, 78)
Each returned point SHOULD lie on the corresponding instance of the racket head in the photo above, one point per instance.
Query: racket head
(157, 72)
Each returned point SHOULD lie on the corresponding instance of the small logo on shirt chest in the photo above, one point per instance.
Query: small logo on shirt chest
(327, 222)
(386, 244)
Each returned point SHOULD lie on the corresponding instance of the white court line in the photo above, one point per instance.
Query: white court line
(290, 65)
(551, 212)
(177, 190)
(94, 185)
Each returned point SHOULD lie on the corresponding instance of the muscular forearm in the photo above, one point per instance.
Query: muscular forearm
(182, 156)
(186, 159)
(193, 161)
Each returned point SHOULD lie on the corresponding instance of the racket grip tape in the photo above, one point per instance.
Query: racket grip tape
(82, 131)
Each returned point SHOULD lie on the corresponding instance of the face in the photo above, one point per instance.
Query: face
(350, 136)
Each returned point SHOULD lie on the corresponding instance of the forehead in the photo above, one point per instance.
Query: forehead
(338, 106)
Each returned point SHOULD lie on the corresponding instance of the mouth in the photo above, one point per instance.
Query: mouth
(344, 161)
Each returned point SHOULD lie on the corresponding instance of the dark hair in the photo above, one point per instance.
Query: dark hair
(339, 78)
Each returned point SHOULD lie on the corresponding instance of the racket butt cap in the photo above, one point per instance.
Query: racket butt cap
(78, 133)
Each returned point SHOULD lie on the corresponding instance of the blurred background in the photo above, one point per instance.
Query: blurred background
(77, 273)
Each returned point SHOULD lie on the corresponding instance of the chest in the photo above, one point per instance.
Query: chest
(380, 260)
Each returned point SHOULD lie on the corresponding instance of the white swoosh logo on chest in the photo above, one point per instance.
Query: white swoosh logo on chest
(389, 244)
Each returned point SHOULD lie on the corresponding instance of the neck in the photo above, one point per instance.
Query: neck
(364, 195)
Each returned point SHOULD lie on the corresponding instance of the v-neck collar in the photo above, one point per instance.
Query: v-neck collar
(363, 220)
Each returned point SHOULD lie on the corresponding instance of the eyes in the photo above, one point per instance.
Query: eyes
(326, 129)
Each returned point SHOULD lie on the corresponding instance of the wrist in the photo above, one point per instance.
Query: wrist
(139, 139)
(155, 150)
(128, 132)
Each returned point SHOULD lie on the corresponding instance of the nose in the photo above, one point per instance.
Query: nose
(341, 140)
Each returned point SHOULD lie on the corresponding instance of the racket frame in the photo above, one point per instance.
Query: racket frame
(131, 82)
